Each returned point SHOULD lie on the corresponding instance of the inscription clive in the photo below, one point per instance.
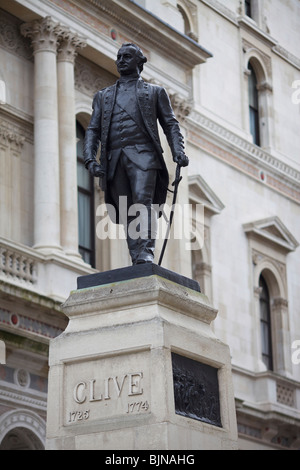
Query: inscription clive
(110, 387)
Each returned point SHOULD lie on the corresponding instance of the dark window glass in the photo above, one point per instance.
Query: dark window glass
(248, 7)
(85, 204)
(253, 106)
(265, 324)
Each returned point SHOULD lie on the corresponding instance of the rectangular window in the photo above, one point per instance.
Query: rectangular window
(86, 224)
(248, 8)
(254, 125)
(253, 106)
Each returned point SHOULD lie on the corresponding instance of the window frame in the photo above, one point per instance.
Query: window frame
(269, 243)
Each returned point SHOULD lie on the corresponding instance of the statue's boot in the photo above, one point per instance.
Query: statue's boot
(133, 249)
(148, 234)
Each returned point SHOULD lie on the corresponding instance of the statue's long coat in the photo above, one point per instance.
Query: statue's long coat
(154, 106)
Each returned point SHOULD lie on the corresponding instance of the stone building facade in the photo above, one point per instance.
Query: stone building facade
(232, 71)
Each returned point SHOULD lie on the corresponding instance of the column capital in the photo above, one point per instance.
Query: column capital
(265, 86)
(69, 44)
(280, 303)
(10, 136)
(44, 34)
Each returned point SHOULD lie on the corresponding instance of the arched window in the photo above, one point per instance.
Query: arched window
(21, 439)
(86, 225)
(253, 105)
(265, 324)
(22, 429)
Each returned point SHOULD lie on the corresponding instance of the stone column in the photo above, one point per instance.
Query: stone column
(265, 91)
(282, 337)
(45, 34)
(67, 141)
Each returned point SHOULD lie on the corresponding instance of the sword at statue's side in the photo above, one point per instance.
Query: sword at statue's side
(175, 183)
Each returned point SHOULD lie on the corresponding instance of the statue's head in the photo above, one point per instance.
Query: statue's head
(130, 58)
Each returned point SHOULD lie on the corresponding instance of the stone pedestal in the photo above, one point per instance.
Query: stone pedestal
(139, 367)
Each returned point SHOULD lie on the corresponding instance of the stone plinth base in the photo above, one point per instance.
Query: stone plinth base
(139, 368)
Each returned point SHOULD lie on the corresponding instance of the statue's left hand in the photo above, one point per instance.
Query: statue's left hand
(181, 160)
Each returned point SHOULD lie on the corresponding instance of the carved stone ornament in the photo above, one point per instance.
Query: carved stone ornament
(22, 378)
(10, 136)
(181, 106)
(70, 43)
(44, 34)
(89, 78)
(10, 37)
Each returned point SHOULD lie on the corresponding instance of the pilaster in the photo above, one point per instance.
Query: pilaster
(282, 337)
(67, 52)
(11, 145)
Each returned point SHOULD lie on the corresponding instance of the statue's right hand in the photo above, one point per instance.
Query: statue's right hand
(95, 169)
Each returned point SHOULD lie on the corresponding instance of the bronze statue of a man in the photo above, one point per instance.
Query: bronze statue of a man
(124, 120)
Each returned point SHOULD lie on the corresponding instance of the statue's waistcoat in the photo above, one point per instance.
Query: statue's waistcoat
(145, 109)
(126, 125)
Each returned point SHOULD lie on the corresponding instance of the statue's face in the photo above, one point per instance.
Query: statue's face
(127, 62)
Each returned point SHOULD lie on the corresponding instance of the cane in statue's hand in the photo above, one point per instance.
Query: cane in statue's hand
(175, 183)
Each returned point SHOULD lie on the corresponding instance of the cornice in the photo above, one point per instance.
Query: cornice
(250, 25)
(220, 8)
(244, 155)
(146, 27)
(8, 395)
(201, 193)
(287, 56)
(273, 230)
(34, 328)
